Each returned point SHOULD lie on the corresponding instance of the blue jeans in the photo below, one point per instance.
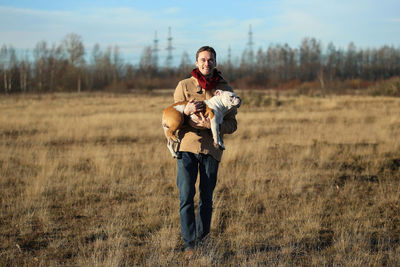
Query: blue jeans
(188, 166)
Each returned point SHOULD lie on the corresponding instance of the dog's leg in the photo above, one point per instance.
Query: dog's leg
(215, 133)
(171, 148)
(172, 123)
(170, 141)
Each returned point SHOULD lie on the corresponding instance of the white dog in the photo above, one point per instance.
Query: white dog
(216, 108)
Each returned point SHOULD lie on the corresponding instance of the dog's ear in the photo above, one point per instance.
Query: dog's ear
(217, 92)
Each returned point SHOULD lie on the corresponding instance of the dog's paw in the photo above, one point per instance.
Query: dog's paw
(174, 154)
(220, 145)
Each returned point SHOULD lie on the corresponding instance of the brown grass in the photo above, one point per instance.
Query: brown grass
(86, 180)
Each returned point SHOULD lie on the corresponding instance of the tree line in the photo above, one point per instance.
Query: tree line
(67, 67)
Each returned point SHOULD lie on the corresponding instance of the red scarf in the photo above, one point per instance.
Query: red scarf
(207, 84)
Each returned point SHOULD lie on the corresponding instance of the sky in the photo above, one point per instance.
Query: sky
(132, 25)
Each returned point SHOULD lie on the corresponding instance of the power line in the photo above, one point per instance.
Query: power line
(229, 55)
(155, 50)
(250, 52)
(250, 43)
(155, 42)
(169, 49)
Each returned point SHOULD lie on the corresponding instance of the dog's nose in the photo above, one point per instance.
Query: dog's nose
(240, 102)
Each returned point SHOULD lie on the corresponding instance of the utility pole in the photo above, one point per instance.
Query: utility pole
(229, 64)
(250, 43)
(154, 59)
(229, 56)
(169, 49)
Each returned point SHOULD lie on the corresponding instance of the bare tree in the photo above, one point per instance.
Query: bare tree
(3, 58)
(24, 70)
(40, 54)
(55, 66)
(13, 69)
(74, 46)
(96, 76)
(117, 64)
(331, 61)
(145, 65)
(185, 66)
(310, 59)
(350, 63)
(272, 59)
(261, 71)
(62, 67)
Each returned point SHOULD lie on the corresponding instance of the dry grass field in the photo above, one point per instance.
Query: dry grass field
(87, 180)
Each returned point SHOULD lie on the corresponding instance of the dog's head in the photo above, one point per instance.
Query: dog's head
(229, 99)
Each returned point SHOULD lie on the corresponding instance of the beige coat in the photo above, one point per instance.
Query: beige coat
(201, 141)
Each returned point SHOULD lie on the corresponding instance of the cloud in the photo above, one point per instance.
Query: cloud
(129, 28)
(172, 10)
(365, 22)
(340, 22)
